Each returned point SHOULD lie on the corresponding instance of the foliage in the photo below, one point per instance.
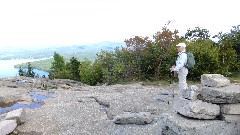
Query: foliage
(146, 58)
(232, 38)
(235, 37)
(206, 56)
(197, 33)
(150, 59)
(58, 68)
(28, 73)
(73, 67)
(90, 74)
(107, 62)
(227, 55)
(58, 64)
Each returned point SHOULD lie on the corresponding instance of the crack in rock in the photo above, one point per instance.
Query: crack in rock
(104, 107)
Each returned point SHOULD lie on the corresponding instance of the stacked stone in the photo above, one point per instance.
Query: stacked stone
(213, 109)
(218, 90)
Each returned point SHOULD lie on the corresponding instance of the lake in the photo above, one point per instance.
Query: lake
(7, 67)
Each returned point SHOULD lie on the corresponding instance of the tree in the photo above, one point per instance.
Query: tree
(73, 67)
(58, 68)
(21, 72)
(206, 56)
(235, 36)
(28, 73)
(58, 64)
(227, 54)
(197, 33)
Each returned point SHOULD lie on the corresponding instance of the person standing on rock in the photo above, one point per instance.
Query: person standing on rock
(180, 68)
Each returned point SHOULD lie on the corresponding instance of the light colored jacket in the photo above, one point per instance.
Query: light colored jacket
(181, 61)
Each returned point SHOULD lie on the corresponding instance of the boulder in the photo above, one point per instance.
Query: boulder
(231, 118)
(7, 126)
(214, 80)
(140, 118)
(196, 108)
(175, 124)
(230, 108)
(190, 93)
(17, 115)
(229, 94)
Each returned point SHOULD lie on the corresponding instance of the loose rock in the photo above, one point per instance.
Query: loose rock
(7, 126)
(141, 118)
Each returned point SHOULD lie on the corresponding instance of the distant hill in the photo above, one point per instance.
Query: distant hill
(79, 51)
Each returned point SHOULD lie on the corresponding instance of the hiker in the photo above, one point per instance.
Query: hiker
(180, 68)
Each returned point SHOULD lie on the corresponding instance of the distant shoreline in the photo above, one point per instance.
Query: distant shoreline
(7, 68)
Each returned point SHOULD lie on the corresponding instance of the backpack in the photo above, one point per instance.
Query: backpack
(190, 60)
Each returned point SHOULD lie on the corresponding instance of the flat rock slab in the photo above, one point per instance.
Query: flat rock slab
(196, 108)
(214, 80)
(176, 124)
(230, 108)
(7, 126)
(229, 94)
(140, 118)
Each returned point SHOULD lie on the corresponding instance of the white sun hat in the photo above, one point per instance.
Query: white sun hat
(181, 44)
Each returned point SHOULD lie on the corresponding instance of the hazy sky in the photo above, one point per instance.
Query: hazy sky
(71, 22)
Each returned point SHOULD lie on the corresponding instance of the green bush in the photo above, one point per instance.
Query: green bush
(206, 56)
(61, 74)
(227, 56)
(90, 74)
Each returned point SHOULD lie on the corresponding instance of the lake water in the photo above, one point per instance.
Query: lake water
(7, 68)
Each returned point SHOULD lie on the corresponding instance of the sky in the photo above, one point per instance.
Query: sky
(34, 23)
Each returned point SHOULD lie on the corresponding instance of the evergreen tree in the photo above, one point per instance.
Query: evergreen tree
(73, 66)
(21, 72)
(30, 72)
(58, 64)
(197, 33)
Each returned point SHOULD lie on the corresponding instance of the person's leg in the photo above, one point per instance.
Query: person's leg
(182, 77)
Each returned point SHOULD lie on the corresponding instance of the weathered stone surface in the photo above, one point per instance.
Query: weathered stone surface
(8, 99)
(230, 108)
(140, 118)
(90, 110)
(7, 126)
(191, 92)
(17, 115)
(26, 98)
(228, 94)
(196, 108)
(179, 125)
(214, 80)
(231, 118)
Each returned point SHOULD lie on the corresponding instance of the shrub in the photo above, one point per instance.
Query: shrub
(206, 56)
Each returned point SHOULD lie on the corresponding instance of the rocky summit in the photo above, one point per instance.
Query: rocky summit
(52, 107)
(40, 106)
